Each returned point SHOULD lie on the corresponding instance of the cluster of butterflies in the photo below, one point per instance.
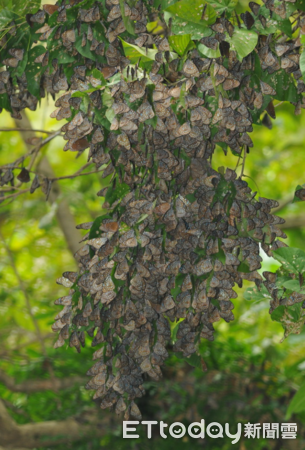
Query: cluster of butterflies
(162, 257)
(182, 234)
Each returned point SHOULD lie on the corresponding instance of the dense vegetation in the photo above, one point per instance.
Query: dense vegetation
(166, 125)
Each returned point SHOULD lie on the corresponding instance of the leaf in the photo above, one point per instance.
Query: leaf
(34, 71)
(297, 404)
(95, 228)
(180, 43)
(278, 313)
(292, 259)
(254, 294)
(129, 25)
(99, 76)
(291, 317)
(178, 283)
(6, 16)
(62, 56)
(209, 52)
(243, 41)
(292, 285)
(181, 27)
(191, 11)
(134, 53)
(284, 85)
(194, 360)
(223, 5)
(116, 193)
(22, 7)
(110, 114)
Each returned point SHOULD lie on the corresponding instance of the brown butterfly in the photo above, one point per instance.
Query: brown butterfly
(39, 17)
(50, 9)
(300, 193)
(79, 145)
(267, 89)
(16, 53)
(224, 48)
(255, 7)
(271, 110)
(230, 84)
(11, 62)
(247, 19)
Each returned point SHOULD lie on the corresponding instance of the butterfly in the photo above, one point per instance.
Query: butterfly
(255, 7)
(247, 19)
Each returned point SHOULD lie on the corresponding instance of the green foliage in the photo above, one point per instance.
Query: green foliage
(243, 41)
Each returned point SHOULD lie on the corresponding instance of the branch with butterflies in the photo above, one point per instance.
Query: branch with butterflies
(149, 90)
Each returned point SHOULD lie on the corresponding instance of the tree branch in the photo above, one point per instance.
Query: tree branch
(50, 433)
(64, 217)
(28, 129)
(31, 386)
(293, 222)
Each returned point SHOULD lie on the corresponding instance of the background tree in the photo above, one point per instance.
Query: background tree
(228, 359)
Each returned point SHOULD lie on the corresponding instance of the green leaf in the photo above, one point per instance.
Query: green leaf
(129, 25)
(223, 5)
(180, 43)
(178, 282)
(284, 85)
(116, 193)
(134, 53)
(208, 52)
(194, 360)
(191, 11)
(22, 7)
(99, 76)
(62, 56)
(297, 404)
(180, 26)
(292, 285)
(278, 313)
(256, 295)
(110, 114)
(292, 259)
(243, 41)
(6, 16)
(95, 228)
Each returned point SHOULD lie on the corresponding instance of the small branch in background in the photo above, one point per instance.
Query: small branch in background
(26, 344)
(27, 129)
(50, 433)
(31, 386)
(64, 216)
(281, 206)
(77, 174)
(293, 222)
(16, 164)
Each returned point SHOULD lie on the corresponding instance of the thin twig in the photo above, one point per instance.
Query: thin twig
(27, 129)
(244, 162)
(75, 175)
(14, 195)
(44, 142)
